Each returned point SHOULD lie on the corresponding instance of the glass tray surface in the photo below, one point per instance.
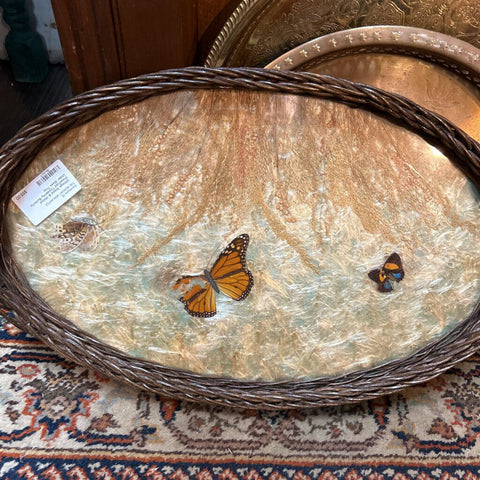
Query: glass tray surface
(325, 193)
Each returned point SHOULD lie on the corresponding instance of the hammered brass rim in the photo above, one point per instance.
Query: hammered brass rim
(455, 54)
(245, 10)
(314, 18)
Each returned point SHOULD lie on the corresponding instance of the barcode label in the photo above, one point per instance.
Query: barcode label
(47, 192)
(48, 173)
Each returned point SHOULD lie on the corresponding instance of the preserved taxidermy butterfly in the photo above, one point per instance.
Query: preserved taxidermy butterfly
(228, 275)
(82, 232)
(392, 271)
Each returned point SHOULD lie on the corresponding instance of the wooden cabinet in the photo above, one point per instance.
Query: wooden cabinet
(106, 40)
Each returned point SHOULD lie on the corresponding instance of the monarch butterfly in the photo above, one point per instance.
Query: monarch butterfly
(80, 232)
(392, 270)
(228, 275)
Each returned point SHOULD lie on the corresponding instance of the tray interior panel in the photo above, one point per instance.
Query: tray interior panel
(325, 193)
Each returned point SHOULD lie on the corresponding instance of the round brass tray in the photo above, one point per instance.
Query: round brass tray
(259, 31)
(437, 71)
(327, 178)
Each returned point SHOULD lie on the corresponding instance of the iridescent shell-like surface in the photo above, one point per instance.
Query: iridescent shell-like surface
(325, 193)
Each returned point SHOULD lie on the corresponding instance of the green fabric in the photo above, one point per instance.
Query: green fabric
(24, 46)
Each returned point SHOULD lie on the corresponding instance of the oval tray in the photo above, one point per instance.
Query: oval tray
(259, 31)
(33, 314)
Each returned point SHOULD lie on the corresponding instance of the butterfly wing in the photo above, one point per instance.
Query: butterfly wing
(393, 267)
(87, 220)
(237, 286)
(386, 286)
(392, 270)
(91, 239)
(230, 272)
(198, 296)
(78, 232)
(379, 277)
(71, 235)
(229, 275)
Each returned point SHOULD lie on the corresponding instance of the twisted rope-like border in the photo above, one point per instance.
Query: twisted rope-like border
(33, 315)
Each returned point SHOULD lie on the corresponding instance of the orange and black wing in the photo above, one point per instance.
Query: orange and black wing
(199, 299)
(379, 277)
(230, 272)
(393, 267)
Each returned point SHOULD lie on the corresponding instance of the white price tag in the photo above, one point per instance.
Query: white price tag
(47, 192)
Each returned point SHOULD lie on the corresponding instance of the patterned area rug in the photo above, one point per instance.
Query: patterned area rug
(60, 421)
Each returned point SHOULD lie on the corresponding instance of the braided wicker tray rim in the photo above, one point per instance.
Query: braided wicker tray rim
(34, 316)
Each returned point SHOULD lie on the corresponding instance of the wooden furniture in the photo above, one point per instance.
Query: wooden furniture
(105, 41)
